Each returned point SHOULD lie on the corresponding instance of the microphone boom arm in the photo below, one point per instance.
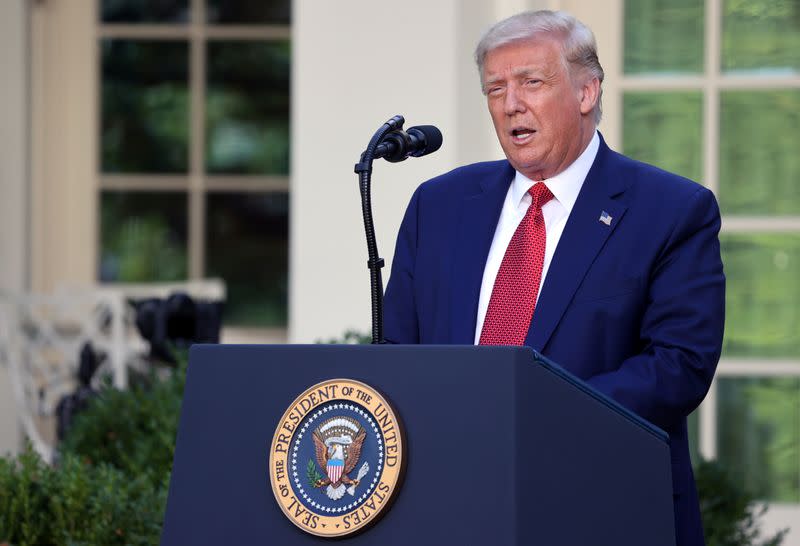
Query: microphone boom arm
(374, 262)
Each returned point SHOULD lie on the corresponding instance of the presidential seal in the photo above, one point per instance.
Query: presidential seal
(335, 458)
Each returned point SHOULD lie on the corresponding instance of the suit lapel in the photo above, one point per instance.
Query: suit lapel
(583, 237)
(479, 215)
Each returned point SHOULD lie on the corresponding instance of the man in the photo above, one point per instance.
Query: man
(608, 266)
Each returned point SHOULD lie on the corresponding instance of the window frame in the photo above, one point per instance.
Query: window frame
(711, 84)
(607, 20)
(196, 183)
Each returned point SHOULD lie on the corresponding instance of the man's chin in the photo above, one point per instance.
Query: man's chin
(530, 167)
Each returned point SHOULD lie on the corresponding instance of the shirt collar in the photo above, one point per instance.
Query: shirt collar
(567, 184)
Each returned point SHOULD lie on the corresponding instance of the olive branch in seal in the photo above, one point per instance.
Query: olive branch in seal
(312, 474)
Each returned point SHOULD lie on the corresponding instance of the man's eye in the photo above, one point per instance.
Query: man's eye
(494, 90)
(533, 82)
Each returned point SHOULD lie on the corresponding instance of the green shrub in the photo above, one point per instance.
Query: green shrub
(110, 485)
(133, 430)
(730, 513)
(75, 503)
(350, 337)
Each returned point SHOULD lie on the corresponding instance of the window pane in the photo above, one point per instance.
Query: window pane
(759, 159)
(763, 294)
(144, 11)
(665, 130)
(247, 245)
(143, 236)
(248, 108)
(759, 435)
(761, 35)
(145, 114)
(249, 11)
(663, 36)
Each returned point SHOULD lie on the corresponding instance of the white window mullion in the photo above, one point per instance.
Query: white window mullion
(708, 423)
(761, 224)
(147, 182)
(746, 367)
(713, 37)
(144, 31)
(247, 183)
(197, 93)
(154, 31)
(746, 83)
(248, 32)
(661, 83)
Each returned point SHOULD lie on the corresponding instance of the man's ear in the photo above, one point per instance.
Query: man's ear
(589, 94)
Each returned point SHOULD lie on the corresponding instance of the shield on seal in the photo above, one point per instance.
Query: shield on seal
(334, 469)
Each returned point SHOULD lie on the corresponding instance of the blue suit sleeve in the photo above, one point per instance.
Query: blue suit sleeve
(682, 324)
(399, 309)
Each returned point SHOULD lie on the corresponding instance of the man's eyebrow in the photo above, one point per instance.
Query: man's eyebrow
(516, 73)
(525, 71)
(494, 79)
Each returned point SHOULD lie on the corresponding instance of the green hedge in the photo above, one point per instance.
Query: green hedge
(110, 484)
(730, 514)
(134, 430)
(76, 503)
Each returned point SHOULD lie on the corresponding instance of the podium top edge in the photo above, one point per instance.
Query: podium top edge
(601, 397)
(533, 355)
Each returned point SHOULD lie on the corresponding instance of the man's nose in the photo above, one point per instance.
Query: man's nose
(513, 101)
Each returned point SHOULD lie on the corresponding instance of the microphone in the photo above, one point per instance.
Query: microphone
(394, 144)
(397, 145)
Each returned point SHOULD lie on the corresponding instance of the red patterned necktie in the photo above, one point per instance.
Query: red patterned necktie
(516, 287)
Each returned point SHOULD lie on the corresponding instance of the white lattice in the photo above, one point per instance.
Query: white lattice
(41, 337)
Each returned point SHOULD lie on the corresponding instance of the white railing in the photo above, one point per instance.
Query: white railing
(41, 337)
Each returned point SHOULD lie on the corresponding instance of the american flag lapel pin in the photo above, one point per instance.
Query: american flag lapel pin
(605, 218)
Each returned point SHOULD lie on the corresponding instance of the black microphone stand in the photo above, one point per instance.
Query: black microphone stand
(364, 170)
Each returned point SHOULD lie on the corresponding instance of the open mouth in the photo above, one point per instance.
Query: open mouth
(522, 134)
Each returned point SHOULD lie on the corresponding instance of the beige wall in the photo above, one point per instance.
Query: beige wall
(605, 20)
(357, 63)
(63, 143)
(47, 143)
(13, 184)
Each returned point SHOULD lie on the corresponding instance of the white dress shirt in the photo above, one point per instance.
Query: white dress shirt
(565, 187)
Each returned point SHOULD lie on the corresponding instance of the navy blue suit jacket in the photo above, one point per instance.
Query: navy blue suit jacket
(635, 308)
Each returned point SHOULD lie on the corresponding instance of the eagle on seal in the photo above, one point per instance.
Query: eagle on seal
(337, 443)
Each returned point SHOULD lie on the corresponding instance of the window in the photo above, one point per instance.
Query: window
(711, 90)
(193, 155)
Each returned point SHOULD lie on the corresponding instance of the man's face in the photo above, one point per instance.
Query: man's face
(542, 117)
